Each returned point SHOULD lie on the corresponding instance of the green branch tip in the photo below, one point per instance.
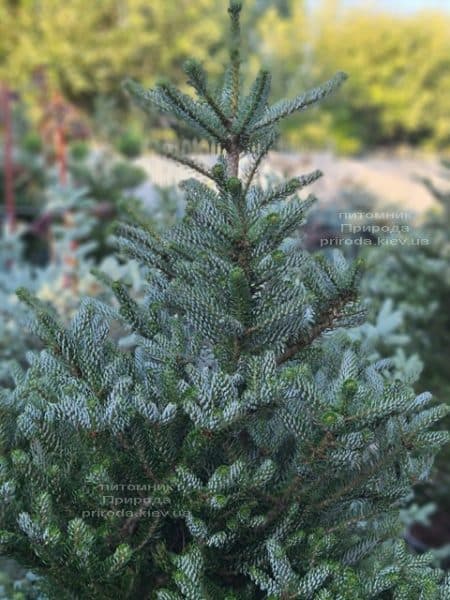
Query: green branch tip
(337, 79)
(164, 83)
(235, 7)
(191, 65)
(116, 228)
(23, 294)
(130, 86)
(117, 286)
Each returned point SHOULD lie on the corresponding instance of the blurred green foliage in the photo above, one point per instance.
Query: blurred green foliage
(399, 67)
(16, 583)
(88, 46)
(399, 64)
(130, 144)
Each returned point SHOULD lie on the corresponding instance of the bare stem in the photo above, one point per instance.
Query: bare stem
(233, 163)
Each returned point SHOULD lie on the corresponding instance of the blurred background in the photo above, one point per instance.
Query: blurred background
(75, 156)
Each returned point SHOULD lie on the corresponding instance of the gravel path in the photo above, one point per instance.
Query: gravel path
(390, 178)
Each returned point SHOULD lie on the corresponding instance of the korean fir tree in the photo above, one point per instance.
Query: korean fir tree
(243, 449)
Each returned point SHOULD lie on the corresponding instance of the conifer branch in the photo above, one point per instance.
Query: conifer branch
(326, 321)
(352, 485)
(234, 11)
(198, 80)
(255, 101)
(185, 161)
(284, 108)
(145, 98)
(148, 537)
(144, 243)
(289, 188)
(129, 527)
(167, 98)
(266, 146)
(187, 106)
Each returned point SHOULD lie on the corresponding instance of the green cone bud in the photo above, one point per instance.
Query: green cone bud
(234, 185)
(278, 255)
(273, 218)
(350, 387)
(218, 171)
(330, 417)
